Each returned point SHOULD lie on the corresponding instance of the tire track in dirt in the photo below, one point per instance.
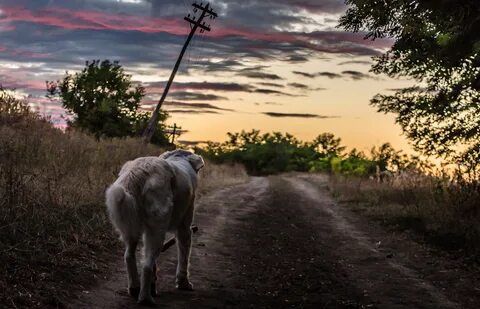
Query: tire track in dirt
(383, 277)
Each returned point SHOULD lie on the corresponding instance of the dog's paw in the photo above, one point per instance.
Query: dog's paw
(134, 292)
(153, 290)
(147, 301)
(184, 285)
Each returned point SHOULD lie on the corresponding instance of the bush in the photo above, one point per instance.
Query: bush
(13, 109)
(272, 153)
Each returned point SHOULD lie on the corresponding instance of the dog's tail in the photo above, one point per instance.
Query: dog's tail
(122, 210)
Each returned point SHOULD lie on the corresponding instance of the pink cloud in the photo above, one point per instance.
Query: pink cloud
(24, 53)
(92, 20)
(95, 20)
(15, 83)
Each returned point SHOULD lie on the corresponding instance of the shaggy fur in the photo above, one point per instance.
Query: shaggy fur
(151, 196)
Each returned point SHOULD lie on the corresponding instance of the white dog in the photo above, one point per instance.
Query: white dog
(151, 196)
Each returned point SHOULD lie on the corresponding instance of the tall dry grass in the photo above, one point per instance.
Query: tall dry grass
(442, 212)
(217, 176)
(54, 232)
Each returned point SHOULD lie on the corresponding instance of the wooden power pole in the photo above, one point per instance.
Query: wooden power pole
(206, 12)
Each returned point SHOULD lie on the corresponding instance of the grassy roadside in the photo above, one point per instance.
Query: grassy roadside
(440, 212)
(54, 233)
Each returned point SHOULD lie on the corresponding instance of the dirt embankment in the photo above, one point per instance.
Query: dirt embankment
(283, 242)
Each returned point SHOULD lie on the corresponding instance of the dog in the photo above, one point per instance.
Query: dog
(153, 195)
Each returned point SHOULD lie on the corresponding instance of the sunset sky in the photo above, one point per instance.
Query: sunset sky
(271, 65)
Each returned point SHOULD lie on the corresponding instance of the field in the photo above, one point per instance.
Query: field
(53, 226)
(441, 212)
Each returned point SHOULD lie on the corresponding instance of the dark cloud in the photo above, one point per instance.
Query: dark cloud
(47, 37)
(196, 105)
(260, 75)
(299, 86)
(294, 115)
(271, 84)
(255, 68)
(314, 6)
(216, 86)
(66, 30)
(274, 92)
(304, 74)
(329, 75)
(191, 111)
(356, 75)
(304, 87)
(356, 62)
(227, 65)
(297, 59)
(195, 96)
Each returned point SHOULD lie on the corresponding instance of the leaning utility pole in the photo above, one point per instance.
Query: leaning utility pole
(194, 24)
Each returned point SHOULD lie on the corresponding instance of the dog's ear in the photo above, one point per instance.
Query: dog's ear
(196, 161)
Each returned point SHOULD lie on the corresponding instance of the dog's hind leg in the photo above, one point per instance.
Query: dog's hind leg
(184, 243)
(153, 285)
(131, 263)
(153, 243)
(156, 225)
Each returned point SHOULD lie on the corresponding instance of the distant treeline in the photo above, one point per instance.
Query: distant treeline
(271, 153)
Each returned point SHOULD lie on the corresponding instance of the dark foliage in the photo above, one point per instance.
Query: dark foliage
(437, 42)
(272, 153)
(104, 101)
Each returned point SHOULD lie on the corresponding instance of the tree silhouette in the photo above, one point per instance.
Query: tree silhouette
(104, 101)
(437, 43)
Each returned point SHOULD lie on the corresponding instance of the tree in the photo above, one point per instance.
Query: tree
(104, 101)
(437, 43)
(327, 145)
(387, 158)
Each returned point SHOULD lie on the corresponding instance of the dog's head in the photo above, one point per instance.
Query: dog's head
(195, 160)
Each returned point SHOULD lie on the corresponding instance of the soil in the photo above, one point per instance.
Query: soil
(283, 242)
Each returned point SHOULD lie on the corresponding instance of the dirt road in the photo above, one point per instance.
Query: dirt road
(282, 242)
